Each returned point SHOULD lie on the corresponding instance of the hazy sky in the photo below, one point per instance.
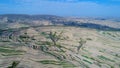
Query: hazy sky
(62, 7)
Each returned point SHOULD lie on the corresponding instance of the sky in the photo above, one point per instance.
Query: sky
(85, 8)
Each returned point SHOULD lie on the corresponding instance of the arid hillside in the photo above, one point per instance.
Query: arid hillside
(59, 47)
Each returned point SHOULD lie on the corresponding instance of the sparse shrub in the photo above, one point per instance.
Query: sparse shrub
(14, 64)
(55, 37)
(89, 39)
(81, 43)
(47, 43)
(43, 48)
(24, 38)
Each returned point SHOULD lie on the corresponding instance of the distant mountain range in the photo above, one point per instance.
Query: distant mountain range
(22, 20)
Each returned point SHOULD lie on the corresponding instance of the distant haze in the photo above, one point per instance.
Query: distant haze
(84, 8)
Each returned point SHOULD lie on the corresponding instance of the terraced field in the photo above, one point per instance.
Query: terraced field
(34, 49)
(115, 35)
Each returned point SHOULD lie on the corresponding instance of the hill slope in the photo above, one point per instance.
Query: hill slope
(33, 48)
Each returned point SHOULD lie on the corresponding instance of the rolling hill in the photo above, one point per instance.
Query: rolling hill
(39, 20)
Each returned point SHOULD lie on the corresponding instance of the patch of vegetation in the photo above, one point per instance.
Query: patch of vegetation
(12, 54)
(44, 33)
(105, 58)
(88, 57)
(43, 48)
(45, 43)
(6, 51)
(4, 40)
(58, 56)
(85, 56)
(9, 50)
(87, 61)
(108, 33)
(24, 38)
(117, 55)
(54, 38)
(14, 64)
(102, 50)
(81, 43)
(64, 64)
(5, 47)
(89, 39)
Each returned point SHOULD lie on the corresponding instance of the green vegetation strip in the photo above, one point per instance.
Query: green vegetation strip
(7, 51)
(5, 47)
(87, 61)
(62, 63)
(88, 57)
(11, 54)
(58, 56)
(105, 58)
